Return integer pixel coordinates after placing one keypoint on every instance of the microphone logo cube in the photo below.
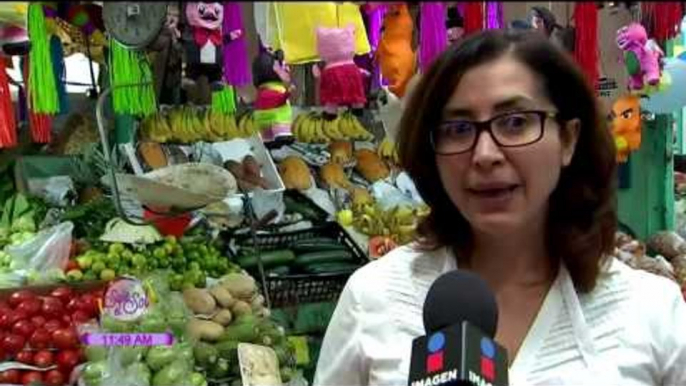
(434, 361)
(487, 359)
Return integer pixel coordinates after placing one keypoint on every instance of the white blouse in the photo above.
(629, 331)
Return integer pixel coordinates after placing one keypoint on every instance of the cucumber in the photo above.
(243, 332)
(317, 245)
(279, 271)
(228, 350)
(310, 258)
(269, 258)
(332, 267)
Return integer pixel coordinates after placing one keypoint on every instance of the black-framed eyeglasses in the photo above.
(513, 129)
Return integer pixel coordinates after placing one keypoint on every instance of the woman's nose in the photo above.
(487, 153)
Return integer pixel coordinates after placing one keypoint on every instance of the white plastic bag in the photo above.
(44, 258)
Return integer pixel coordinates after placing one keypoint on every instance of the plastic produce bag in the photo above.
(43, 258)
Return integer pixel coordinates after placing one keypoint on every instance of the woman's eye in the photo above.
(516, 121)
(456, 128)
(627, 115)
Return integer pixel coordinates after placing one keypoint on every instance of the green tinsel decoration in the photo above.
(42, 86)
(131, 67)
(224, 101)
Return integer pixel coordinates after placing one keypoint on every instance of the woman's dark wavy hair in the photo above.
(582, 214)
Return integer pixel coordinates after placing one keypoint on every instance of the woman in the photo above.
(505, 142)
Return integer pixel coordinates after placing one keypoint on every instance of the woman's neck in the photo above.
(519, 260)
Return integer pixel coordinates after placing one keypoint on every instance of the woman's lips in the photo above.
(494, 198)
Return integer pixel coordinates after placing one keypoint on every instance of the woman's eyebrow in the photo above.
(515, 102)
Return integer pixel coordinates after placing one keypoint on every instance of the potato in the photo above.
(239, 285)
(241, 308)
(257, 303)
(199, 301)
(223, 317)
(204, 330)
(223, 296)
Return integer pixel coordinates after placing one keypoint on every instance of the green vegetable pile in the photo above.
(190, 260)
(309, 256)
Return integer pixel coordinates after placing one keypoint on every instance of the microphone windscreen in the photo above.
(459, 296)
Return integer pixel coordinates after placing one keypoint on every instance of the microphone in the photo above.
(460, 319)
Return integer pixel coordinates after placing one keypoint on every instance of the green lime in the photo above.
(116, 248)
(107, 275)
(159, 253)
(139, 260)
(74, 275)
(98, 267)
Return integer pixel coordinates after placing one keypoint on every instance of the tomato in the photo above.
(11, 377)
(17, 297)
(72, 264)
(73, 304)
(89, 304)
(65, 338)
(38, 321)
(52, 306)
(52, 325)
(25, 356)
(24, 328)
(13, 343)
(80, 317)
(40, 338)
(54, 378)
(31, 377)
(43, 359)
(30, 306)
(67, 360)
(63, 293)
(8, 319)
(4, 306)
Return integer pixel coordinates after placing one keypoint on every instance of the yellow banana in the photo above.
(332, 129)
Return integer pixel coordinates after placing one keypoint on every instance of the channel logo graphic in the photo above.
(487, 359)
(434, 361)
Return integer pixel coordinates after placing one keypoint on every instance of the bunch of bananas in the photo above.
(399, 223)
(186, 124)
(312, 127)
(387, 150)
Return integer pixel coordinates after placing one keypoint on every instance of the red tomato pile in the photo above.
(41, 331)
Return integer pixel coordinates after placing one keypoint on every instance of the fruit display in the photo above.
(248, 173)
(399, 223)
(160, 365)
(313, 127)
(186, 124)
(388, 151)
(316, 254)
(190, 259)
(41, 331)
(370, 165)
(295, 173)
(226, 314)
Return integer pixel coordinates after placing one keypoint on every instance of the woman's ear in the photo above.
(569, 136)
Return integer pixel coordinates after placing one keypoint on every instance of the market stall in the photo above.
(197, 224)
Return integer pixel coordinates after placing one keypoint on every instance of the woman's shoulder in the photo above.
(634, 290)
(405, 272)
(403, 263)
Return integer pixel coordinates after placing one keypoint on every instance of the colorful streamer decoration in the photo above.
(433, 33)
(236, 63)
(8, 126)
(473, 17)
(224, 101)
(494, 10)
(43, 90)
(131, 68)
(662, 19)
(586, 42)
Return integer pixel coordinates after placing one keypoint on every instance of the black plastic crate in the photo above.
(294, 289)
